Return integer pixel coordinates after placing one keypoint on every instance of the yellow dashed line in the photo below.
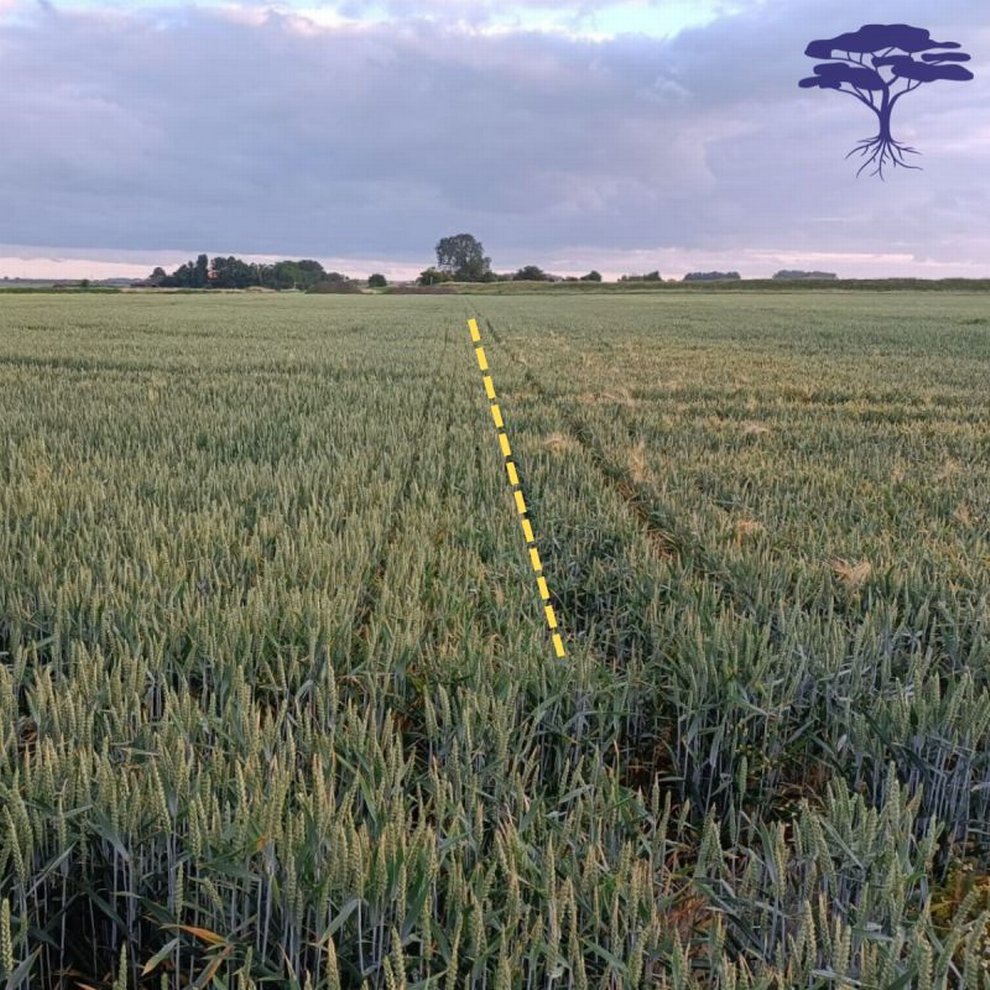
(513, 475)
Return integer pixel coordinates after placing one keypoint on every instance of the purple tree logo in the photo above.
(876, 81)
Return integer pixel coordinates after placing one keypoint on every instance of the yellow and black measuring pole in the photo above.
(513, 475)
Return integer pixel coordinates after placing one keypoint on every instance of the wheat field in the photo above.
(278, 705)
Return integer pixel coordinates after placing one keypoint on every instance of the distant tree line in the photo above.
(234, 273)
(460, 258)
(709, 276)
(786, 273)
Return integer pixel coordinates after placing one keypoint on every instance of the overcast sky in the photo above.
(621, 136)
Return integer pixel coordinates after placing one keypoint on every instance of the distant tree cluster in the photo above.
(709, 276)
(334, 285)
(531, 273)
(434, 276)
(461, 258)
(793, 273)
(648, 277)
(234, 273)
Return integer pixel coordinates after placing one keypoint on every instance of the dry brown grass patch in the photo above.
(800, 393)
(963, 515)
(617, 396)
(950, 468)
(751, 428)
(638, 468)
(560, 443)
(621, 396)
(747, 527)
(967, 883)
(853, 576)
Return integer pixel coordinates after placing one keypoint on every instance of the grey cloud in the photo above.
(192, 128)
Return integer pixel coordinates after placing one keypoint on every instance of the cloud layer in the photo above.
(247, 129)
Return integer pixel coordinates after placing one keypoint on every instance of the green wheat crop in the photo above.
(278, 706)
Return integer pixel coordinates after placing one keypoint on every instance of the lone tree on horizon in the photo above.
(463, 257)
(872, 81)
